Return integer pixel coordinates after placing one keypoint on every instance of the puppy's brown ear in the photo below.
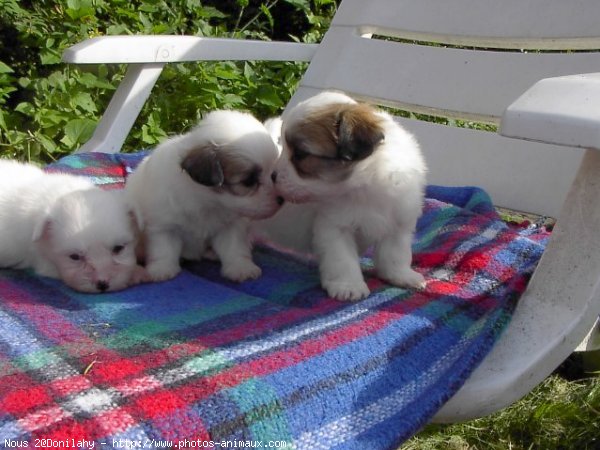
(359, 132)
(203, 165)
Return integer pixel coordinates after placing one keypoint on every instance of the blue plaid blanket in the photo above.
(203, 362)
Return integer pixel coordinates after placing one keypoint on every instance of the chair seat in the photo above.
(273, 359)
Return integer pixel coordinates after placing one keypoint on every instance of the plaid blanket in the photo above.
(205, 363)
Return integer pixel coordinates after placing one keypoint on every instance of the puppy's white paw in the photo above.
(162, 271)
(346, 290)
(242, 270)
(405, 278)
(139, 275)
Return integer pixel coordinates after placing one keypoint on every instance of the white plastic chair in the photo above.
(482, 69)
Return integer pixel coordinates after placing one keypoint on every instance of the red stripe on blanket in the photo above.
(68, 429)
(159, 403)
(43, 418)
(114, 421)
(21, 400)
(70, 385)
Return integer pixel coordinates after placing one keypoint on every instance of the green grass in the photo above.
(563, 412)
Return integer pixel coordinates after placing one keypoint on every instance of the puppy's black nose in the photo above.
(280, 200)
(274, 176)
(102, 285)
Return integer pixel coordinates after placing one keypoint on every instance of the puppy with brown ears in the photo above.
(355, 178)
(197, 192)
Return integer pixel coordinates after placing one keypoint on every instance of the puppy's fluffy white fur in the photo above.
(197, 192)
(351, 185)
(64, 227)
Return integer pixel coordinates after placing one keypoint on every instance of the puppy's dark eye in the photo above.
(117, 249)
(299, 155)
(75, 257)
(251, 180)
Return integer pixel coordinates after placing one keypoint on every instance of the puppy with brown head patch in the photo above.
(354, 178)
(197, 192)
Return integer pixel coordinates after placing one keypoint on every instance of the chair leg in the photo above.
(124, 108)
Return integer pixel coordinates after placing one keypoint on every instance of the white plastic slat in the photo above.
(418, 77)
(520, 175)
(167, 48)
(541, 24)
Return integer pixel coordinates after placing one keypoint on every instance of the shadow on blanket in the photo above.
(274, 359)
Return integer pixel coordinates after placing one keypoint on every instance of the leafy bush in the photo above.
(48, 109)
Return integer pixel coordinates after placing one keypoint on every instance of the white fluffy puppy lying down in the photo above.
(196, 193)
(64, 227)
(355, 178)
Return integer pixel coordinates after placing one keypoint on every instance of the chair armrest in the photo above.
(167, 48)
(562, 110)
(147, 55)
(562, 300)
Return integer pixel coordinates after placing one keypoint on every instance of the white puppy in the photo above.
(64, 227)
(196, 193)
(355, 179)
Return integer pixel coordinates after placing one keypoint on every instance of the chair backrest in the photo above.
(465, 60)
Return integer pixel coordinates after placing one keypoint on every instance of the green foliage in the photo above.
(48, 109)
